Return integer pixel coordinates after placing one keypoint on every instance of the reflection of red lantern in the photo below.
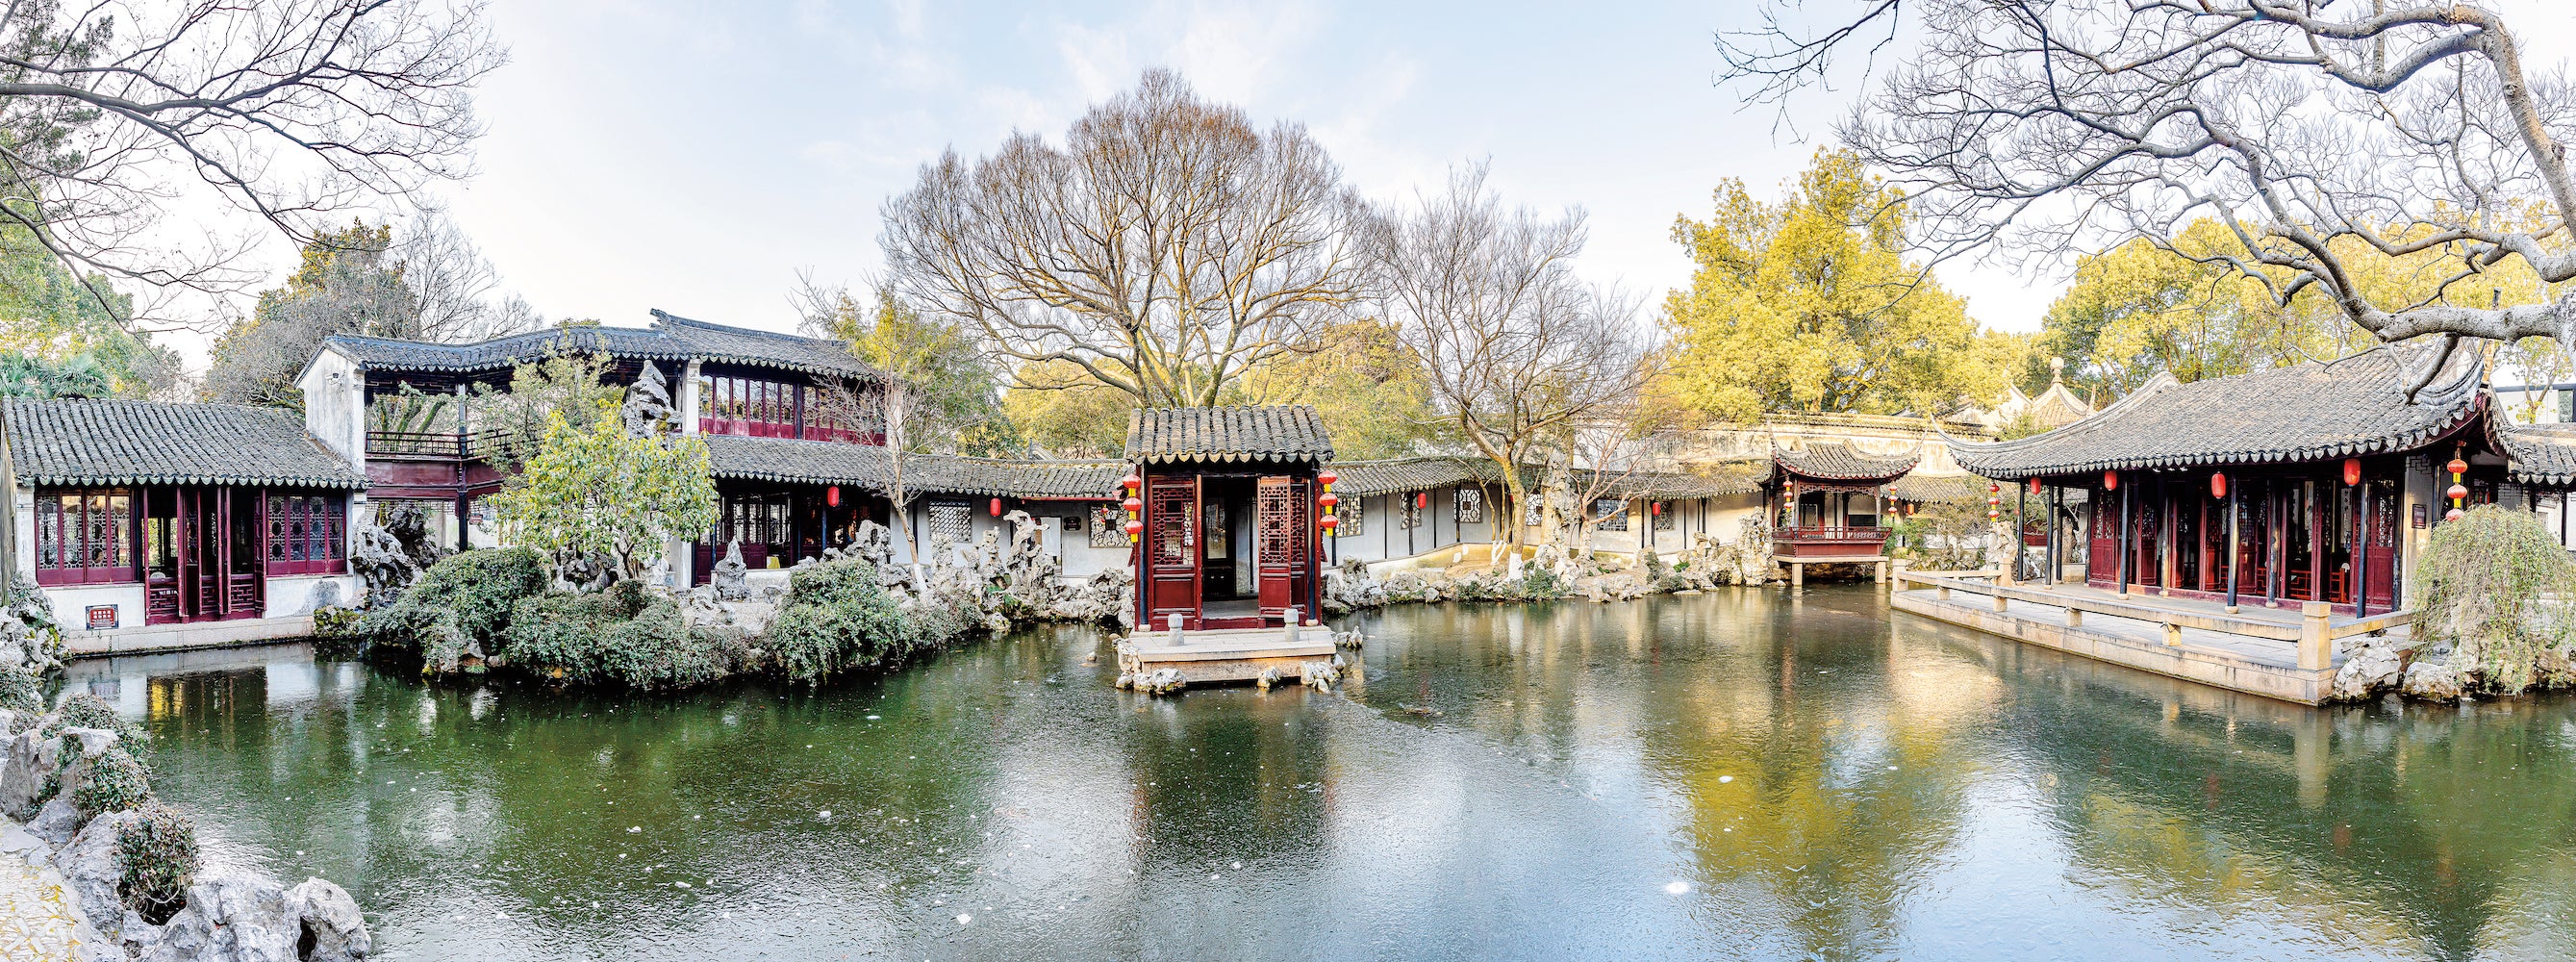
(1422, 499)
(832, 496)
(2110, 480)
(997, 507)
(1328, 500)
(1329, 523)
(2217, 485)
(2351, 472)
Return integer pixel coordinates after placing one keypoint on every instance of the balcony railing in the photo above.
(1831, 534)
(440, 445)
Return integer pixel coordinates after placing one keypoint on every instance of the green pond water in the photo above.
(1748, 774)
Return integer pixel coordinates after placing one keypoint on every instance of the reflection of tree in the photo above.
(1831, 789)
(521, 799)
(2430, 817)
(1785, 703)
(1210, 784)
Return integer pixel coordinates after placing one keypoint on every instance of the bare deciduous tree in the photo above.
(452, 284)
(2317, 132)
(1165, 248)
(1515, 347)
(285, 109)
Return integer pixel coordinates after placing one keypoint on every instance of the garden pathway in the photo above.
(37, 921)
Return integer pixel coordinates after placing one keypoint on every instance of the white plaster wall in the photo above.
(23, 516)
(293, 595)
(72, 602)
(335, 407)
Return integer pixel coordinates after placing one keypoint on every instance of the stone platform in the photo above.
(1227, 654)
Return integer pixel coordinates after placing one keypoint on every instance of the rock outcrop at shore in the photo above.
(129, 863)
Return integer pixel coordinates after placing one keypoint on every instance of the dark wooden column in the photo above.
(2317, 516)
(2361, 547)
(2056, 514)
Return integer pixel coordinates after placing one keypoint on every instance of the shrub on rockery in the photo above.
(158, 851)
(116, 782)
(625, 635)
(465, 600)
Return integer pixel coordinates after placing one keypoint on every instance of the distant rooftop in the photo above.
(671, 338)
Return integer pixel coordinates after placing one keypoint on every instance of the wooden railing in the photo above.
(438, 444)
(1831, 534)
(2315, 633)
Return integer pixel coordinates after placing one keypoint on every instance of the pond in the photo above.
(1745, 774)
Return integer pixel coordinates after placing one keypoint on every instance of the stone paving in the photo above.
(37, 922)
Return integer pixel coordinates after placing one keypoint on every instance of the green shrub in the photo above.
(624, 635)
(116, 782)
(2480, 585)
(466, 599)
(836, 617)
(85, 710)
(21, 690)
(158, 850)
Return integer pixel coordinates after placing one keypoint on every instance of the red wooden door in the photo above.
(1277, 551)
(2145, 536)
(2102, 560)
(2379, 556)
(1172, 549)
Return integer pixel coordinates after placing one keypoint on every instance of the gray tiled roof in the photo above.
(1836, 461)
(112, 442)
(672, 338)
(1943, 489)
(2543, 454)
(1360, 479)
(2307, 412)
(1365, 478)
(872, 468)
(1285, 433)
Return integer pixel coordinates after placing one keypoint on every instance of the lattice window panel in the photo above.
(1108, 526)
(1610, 514)
(954, 521)
(1354, 515)
(1471, 506)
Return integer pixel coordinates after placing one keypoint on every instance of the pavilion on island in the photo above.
(1831, 502)
(2316, 482)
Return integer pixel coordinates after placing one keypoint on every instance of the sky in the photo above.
(696, 157)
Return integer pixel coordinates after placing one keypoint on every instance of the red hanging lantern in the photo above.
(832, 496)
(2457, 492)
(2351, 472)
(997, 507)
(2110, 480)
(2457, 467)
(2034, 485)
(1329, 523)
(1422, 499)
(1133, 504)
(2217, 484)
(1656, 508)
(1328, 500)
(1134, 528)
(1131, 482)
(1328, 477)
(2453, 515)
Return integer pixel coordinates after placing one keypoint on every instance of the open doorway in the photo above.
(1230, 584)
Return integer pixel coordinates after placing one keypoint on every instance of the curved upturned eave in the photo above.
(1979, 458)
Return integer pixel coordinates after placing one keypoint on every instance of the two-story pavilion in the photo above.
(364, 396)
(2315, 482)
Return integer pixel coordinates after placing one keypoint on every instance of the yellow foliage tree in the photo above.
(1809, 304)
(2177, 307)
